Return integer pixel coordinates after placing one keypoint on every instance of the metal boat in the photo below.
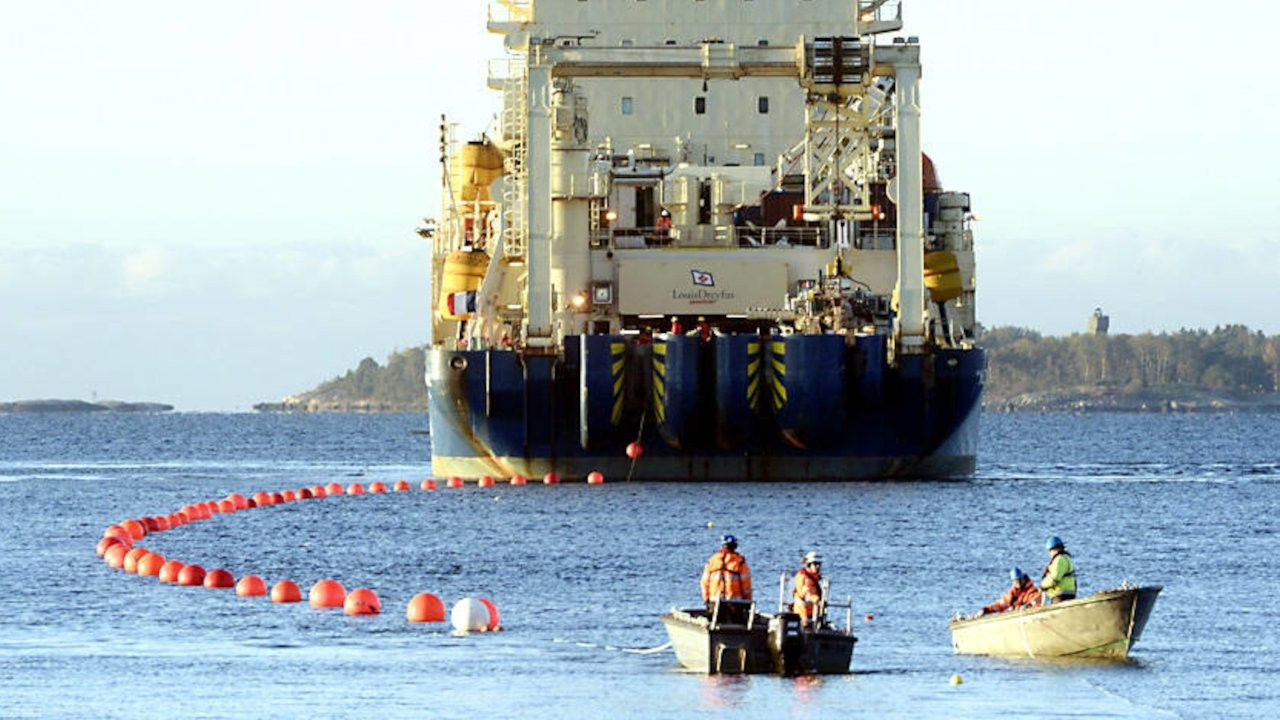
(756, 642)
(1103, 625)
(706, 231)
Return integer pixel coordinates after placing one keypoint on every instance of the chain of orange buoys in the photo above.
(118, 549)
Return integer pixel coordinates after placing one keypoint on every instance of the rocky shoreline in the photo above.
(1093, 399)
(81, 406)
(323, 405)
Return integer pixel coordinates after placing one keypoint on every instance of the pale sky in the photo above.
(213, 205)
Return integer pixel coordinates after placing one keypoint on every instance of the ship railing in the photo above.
(747, 236)
(632, 238)
(507, 15)
(752, 236)
(504, 70)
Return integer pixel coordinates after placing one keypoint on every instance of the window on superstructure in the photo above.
(700, 105)
(762, 105)
(758, 160)
(627, 106)
(762, 43)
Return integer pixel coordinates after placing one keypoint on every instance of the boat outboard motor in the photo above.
(786, 643)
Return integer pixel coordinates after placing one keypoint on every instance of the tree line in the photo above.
(1229, 359)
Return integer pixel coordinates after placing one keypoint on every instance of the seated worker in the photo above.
(1059, 578)
(1023, 593)
(727, 577)
(807, 595)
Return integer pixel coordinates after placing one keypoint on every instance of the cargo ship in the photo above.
(701, 242)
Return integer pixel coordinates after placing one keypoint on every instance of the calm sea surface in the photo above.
(580, 573)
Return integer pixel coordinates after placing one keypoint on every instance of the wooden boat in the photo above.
(736, 638)
(1103, 625)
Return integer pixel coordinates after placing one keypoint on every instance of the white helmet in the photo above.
(812, 557)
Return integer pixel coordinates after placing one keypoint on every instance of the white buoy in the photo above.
(469, 615)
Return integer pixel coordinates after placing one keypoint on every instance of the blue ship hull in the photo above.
(738, 407)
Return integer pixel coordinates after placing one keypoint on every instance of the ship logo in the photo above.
(702, 277)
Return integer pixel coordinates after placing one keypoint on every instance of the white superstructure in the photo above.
(781, 137)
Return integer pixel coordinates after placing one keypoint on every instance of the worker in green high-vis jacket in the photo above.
(1059, 578)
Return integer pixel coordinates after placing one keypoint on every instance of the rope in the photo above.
(639, 435)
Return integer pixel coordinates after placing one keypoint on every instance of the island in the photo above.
(81, 406)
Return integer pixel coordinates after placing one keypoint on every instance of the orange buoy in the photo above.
(286, 591)
(114, 556)
(261, 498)
(215, 506)
(428, 484)
(227, 506)
(355, 489)
(136, 529)
(868, 617)
(377, 487)
(362, 601)
(327, 594)
(150, 524)
(486, 481)
(251, 586)
(118, 533)
(635, 450)
(401, 486)
(176, 520)
(217, 579)
(251, 504)
(454, 482)
(240, 501)
(319, 491)
(132, 557)
(105, 544)
(425, 607)
(495, 620)
(595, 477)
(149, 565)
(276, 498)
(305, 494)
(288, 496)
(333, 488)
(191, 575)
(519, 479)
(169, 571)
(551, 479)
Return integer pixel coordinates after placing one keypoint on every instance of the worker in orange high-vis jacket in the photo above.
(1023, 593)
(726, 575)
(807, 596)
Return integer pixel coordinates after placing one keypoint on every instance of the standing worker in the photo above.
(1023, 593)
(808, 592)
(1059, 578)
(726, 575)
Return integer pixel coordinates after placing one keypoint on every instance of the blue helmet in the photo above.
(1053, 542)
(728, 540)
(1016, 574)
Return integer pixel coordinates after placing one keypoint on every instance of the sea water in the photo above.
(581, 573)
